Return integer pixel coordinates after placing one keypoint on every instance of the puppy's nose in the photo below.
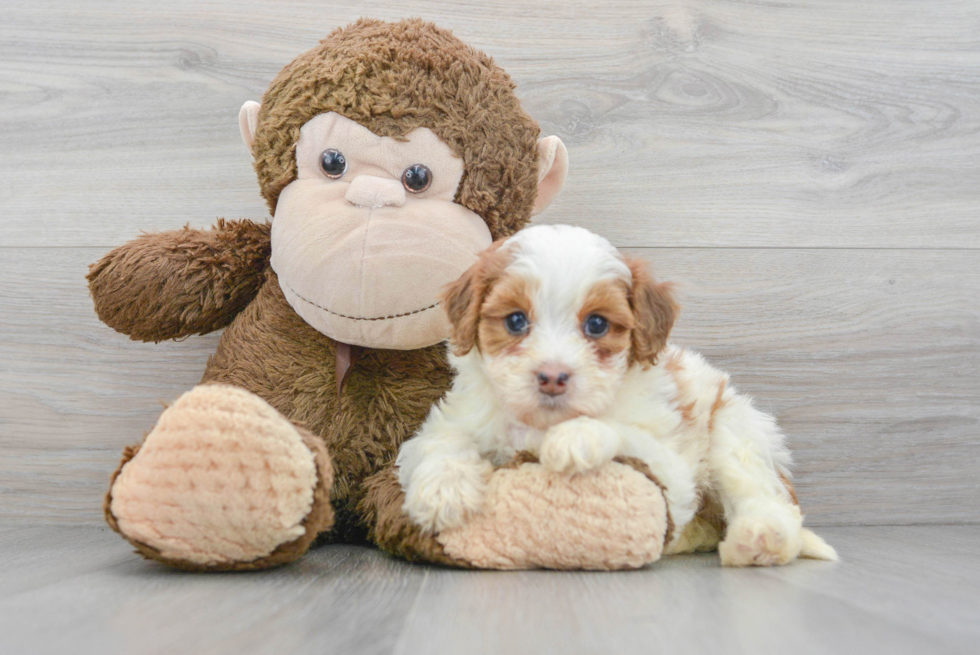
(372, 191)
(552, 379)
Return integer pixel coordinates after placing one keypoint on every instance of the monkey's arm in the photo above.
(174, 284)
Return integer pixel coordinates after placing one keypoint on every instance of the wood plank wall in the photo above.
(808, 171)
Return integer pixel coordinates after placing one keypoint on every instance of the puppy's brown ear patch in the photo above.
(463, 298)
(611, 300)
(655, 310)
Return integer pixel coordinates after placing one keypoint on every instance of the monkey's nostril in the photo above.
(543, 379)
(562, 378)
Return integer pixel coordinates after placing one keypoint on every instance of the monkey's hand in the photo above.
(174, 284)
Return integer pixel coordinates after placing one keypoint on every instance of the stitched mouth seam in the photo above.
(361, 318)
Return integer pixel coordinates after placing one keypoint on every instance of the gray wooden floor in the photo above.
(805, 170)
(897, 590)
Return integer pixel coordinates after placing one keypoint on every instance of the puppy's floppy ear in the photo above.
(463, 298)
(655, 310)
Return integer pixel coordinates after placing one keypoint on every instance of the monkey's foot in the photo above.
(222, 482)
(614, 517)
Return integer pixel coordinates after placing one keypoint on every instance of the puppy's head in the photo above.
(555, 316)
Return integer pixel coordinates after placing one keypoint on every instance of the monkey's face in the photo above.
(366, 236)
(389, 154)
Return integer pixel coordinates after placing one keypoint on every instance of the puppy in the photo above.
(560, 348)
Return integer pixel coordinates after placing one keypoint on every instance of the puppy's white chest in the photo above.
(522, 437)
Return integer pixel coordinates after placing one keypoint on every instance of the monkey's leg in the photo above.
(389, 526)
(612, 518)
(222, 482)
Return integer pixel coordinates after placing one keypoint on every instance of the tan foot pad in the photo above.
(223, 477)
(612, 518)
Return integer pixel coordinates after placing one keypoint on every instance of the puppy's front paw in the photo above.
(761, 540)
(580, 444)
(444, 491)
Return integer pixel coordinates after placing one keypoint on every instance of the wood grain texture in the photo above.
(91, 594)
(897, 590)
(873, 601)
(826, 123)
(806, 170)
(870, 360)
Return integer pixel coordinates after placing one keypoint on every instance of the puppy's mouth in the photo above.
(549, 411)
(547, 401)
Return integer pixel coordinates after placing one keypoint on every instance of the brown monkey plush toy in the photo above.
(390, 156)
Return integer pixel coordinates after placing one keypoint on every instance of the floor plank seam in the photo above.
(410, 614)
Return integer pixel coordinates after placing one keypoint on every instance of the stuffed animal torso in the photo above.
(269, 350)
(389, 155)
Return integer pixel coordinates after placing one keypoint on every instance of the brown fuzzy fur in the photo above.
(392, 78)
(272, 352)
(175, 284)
(391, 529)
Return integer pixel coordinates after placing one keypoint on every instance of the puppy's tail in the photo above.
(816, 548)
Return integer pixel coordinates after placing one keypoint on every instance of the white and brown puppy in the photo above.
(560, 347)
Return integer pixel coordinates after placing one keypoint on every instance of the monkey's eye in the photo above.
(333, 163)
(517, 323)
(417, 178)
(595, 326)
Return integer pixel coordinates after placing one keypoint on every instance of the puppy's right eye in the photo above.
(595, 326)
(517, 323)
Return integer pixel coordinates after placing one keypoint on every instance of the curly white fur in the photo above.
(681, 417)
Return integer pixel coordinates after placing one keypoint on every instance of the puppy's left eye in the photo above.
(517, 323)
(595, 326)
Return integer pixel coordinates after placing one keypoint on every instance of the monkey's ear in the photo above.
(248, 120)
(655, 309)
(552, 171)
